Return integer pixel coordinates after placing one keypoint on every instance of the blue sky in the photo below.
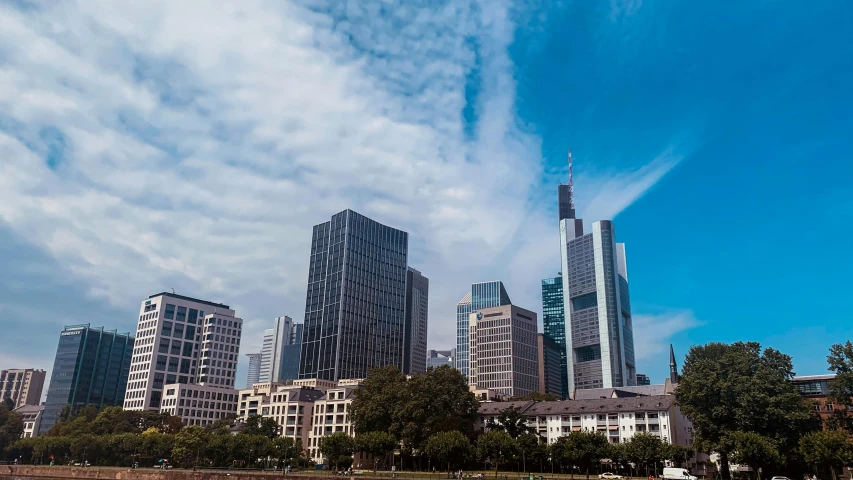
(152, 146)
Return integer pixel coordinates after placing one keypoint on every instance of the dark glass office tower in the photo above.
(289, 366)
(417, 309)
(554, 324)
(355, 305)
(91, 369)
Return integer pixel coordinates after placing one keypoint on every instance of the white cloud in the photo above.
(201, 145)
(654, 332)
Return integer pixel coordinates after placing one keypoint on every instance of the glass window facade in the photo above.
(554, 324)
(90, 369)
(355, 303)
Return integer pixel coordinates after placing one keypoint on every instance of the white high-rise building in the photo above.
(275, 339)
(181, 340)
(503, 352)
(597, 306)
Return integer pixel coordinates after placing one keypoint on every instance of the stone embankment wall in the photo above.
(107, 473)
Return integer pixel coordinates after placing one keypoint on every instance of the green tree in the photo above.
(618, 455)
(495, 446)
(740, 388)
(188, 445)
(449, 448)
(754, 450)
(377, 402)
(11, 426)
(285, 449)
(112, 420)
(840, 361)
(827, 449)
(258, 425)
(336, 447)
(511, 421)
(531, 450)
(646, 450)
(437, 401)
(376, 444)
(677, 454)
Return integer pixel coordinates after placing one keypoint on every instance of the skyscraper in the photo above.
(440, 358)
(23, 386)
(356, 299)
(91, 369)
(554, 324)
(181, 340)
(288, 367)
(503, 353)
(550, 371)
(276, 339)
(253, 375)
(482, 295)
(599, 335)
(417, 304)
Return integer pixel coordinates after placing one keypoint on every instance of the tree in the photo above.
(258, 425)
(511, 421)
(376, 444)
(740, 388)
(377, 401)
(754, 450)
(450, 448)
(336, 446)
(646, 450)
(188, 445)
(677, 454)
(532, 451)
(11, 426)
(827, 449)
(840, 361)
(284, 449)
(618, 455)
(112, 420)
(495, 446)
(437, 401)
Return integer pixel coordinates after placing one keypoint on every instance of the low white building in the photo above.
(32, 415)
(198, 404)
(617, 418)
(331, 415)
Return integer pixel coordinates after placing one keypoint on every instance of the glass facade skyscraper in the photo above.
(417, 309)
(482, 295)
(355, 304)
(91, 369)
(599, 332)
(554, 324)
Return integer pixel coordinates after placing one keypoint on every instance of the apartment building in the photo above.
(617, 418)
(23, 386)
(31, 415)
(198, 404)
(331, 415)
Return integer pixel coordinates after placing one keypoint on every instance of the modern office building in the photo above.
(253, 375)
(181, 341)
(599, 335)
(356, 299)
(554, 324)
(503, 350)
(417, 305)
(23, 386)
(439, 358)
(482, 295)
(550, 370)
(280, 351)
(643, 379)
(91, 369)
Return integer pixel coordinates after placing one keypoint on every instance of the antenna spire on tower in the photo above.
(571, 183)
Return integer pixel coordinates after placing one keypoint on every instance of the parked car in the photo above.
(670, 473)
(610, 476)
(780, 478)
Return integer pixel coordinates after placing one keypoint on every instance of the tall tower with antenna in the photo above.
(599, 338)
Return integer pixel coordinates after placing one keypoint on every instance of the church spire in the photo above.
(673, 368)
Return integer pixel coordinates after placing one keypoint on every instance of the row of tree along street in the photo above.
(739, 397)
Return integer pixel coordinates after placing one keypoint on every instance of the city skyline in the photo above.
(117, 183)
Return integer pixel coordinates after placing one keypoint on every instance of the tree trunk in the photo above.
(725, 474)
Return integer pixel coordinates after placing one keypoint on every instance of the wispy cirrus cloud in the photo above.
(156, 145)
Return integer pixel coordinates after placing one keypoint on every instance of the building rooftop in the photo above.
(29, 409)
(639, 390)
(803, 378)
(490, 408)
(598, 405)
(190, 299)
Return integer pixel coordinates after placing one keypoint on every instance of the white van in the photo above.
(676, 474)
